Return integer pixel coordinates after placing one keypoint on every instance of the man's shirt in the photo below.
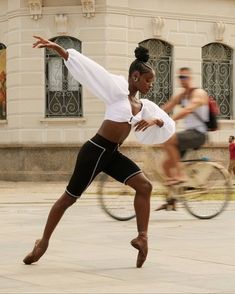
(232, 150)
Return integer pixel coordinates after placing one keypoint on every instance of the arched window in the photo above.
(217, 75)
(63, 92)
(161, 60)
(3, 92)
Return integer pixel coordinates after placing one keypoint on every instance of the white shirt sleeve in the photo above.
(104, 85)
(154, 134)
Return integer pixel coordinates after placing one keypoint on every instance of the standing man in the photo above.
(231, 167)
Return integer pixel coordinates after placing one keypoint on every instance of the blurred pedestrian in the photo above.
(231, 167)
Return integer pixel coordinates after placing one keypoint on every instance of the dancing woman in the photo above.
(124, 110)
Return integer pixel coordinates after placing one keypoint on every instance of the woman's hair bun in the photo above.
(142, 54)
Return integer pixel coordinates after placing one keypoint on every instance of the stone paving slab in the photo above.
(90, 252)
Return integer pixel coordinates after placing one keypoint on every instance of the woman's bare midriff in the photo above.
(114, 131)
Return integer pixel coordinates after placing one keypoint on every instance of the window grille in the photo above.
(217, 76)
(161, 60)
(63, 92)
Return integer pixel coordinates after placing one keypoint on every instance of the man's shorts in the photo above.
(190, 139)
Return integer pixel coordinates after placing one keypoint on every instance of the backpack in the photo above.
(212, 123)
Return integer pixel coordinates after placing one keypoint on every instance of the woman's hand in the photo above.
(143, 124)
(44, 43)
(159, 122)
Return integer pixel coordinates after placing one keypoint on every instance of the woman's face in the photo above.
(145, 82)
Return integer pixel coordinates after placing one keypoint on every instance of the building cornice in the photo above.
(168, 15)
(101, 9)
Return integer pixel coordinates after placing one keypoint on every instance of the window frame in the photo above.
(164, 56)
(64, 95)
(218, 65)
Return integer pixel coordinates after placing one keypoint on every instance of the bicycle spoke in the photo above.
(208, 197)
(116, 199)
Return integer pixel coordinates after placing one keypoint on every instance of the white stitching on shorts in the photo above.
(96, 162)
(138, 172)
(72, 195)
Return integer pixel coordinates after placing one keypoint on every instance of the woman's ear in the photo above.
(135, 76)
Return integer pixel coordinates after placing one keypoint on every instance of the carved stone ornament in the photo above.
(219, 31)
(35, 9)
(157, 23)
(88, 8)
(61, 21)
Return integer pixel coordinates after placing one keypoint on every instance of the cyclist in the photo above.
(195, 111)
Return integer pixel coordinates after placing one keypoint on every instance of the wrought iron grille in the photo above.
(63, 92)
(160, 53)
(217, 76)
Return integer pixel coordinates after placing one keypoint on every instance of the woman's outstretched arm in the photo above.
(44, 43)
(104, 85)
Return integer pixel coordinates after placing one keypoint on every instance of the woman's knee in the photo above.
(144, 190)
(149, 187)
(140, 184)
(144, 187)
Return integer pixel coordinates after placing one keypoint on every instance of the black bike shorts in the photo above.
(96, 155)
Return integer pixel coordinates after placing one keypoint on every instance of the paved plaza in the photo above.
(91, 253)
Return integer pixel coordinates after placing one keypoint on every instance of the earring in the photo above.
(135, 79)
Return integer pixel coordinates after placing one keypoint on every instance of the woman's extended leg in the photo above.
(143, 189)
(55, 214)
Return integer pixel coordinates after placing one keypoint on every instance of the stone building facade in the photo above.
(47, 115)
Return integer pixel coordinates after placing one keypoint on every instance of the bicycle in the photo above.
(205, 193)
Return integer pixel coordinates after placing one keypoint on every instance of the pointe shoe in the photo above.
(37, 252)
(141, 244)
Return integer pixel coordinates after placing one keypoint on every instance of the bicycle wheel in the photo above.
(116, 199)
(207, 190)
